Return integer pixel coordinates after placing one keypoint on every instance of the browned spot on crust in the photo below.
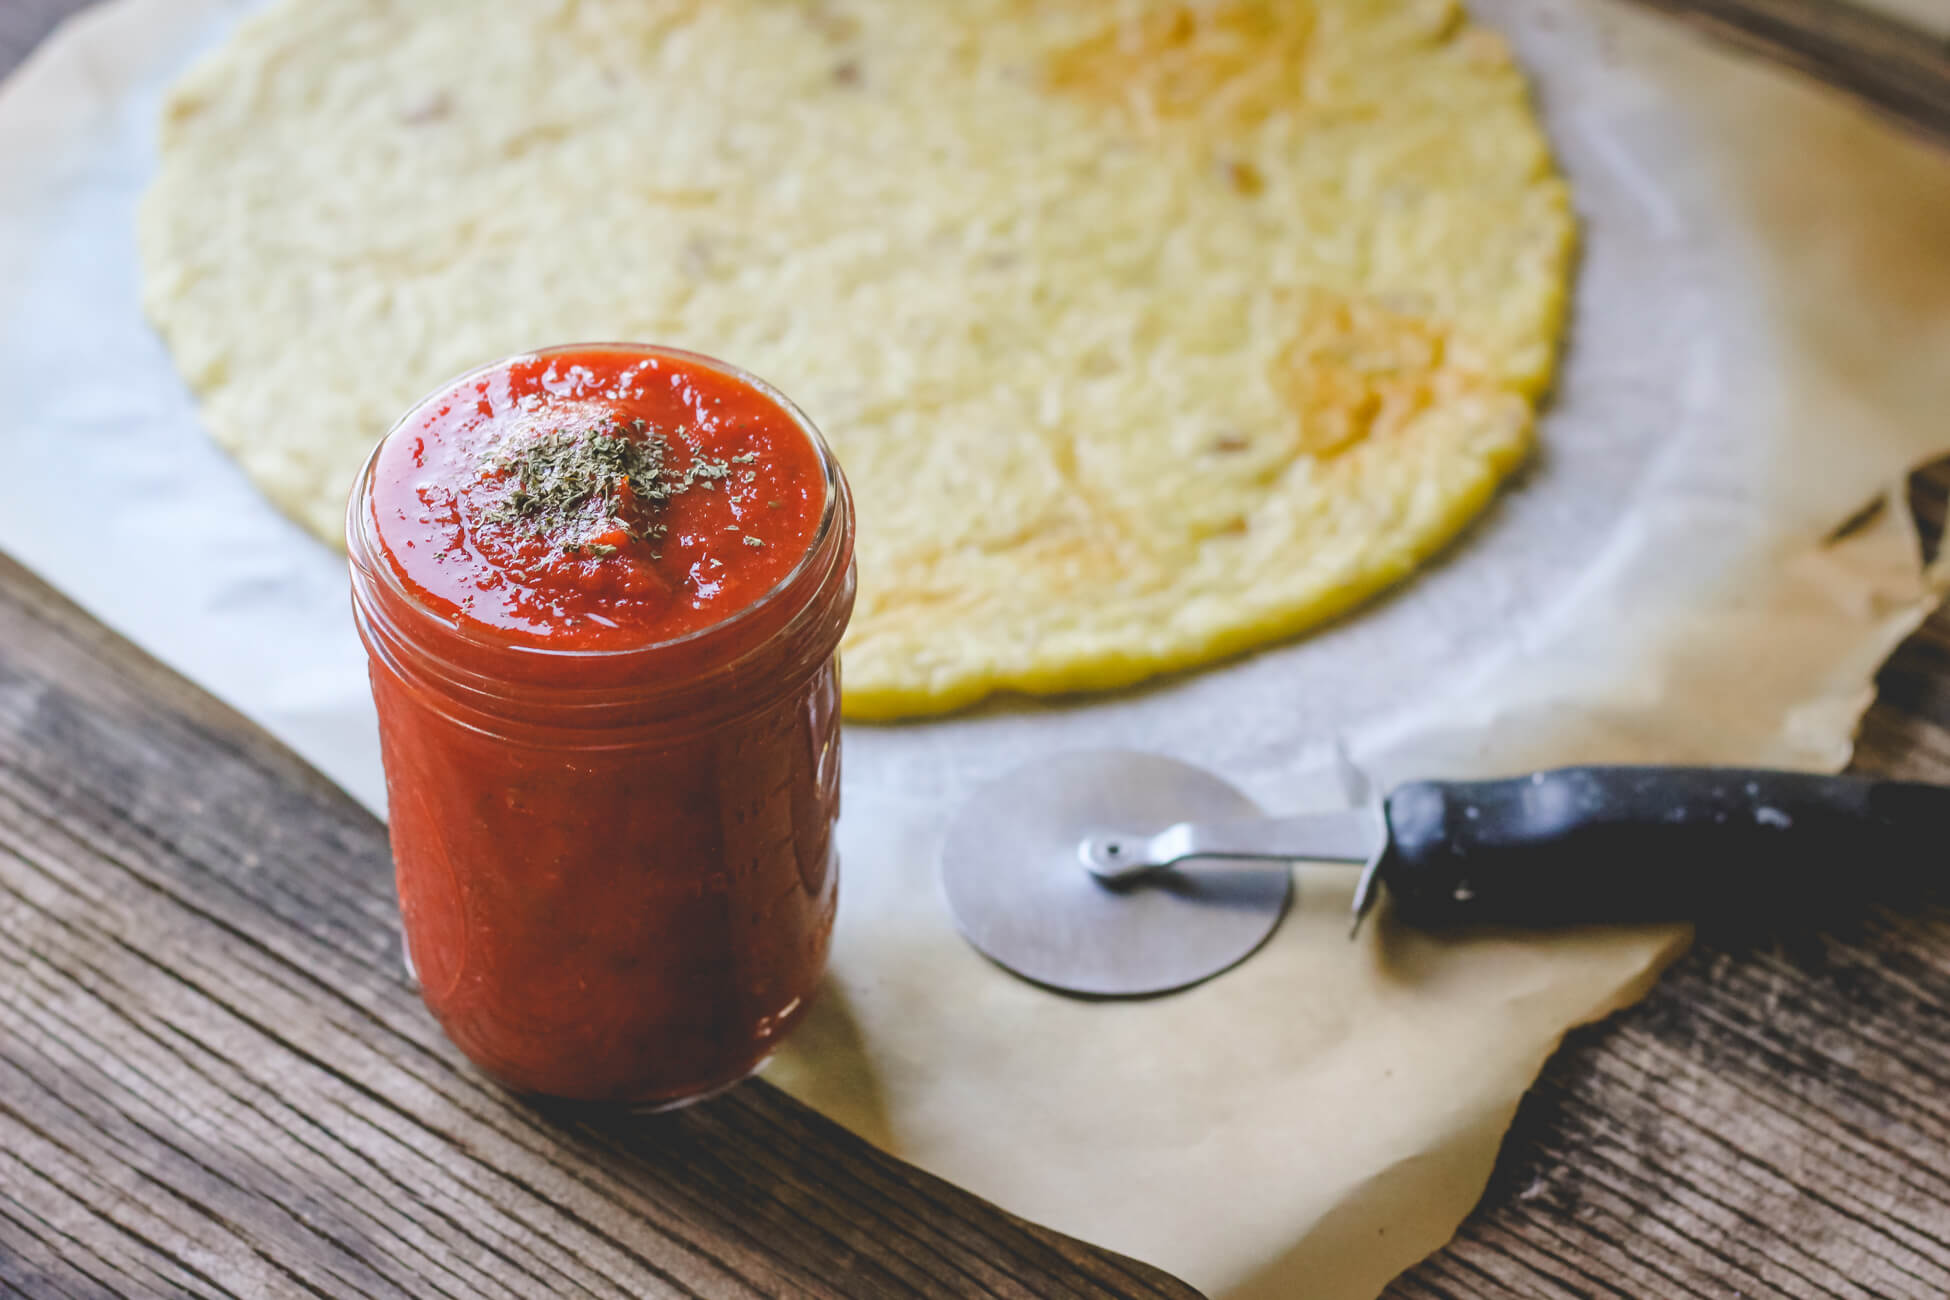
(1244, 177)
(1228, 65)
(1355, 370)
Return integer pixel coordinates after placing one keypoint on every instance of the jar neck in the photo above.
(696, 682)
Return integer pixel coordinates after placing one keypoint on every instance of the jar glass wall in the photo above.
(615, 866)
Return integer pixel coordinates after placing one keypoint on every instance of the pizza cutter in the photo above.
(1120, 874)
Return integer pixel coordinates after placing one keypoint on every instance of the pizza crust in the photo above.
(1146, 334)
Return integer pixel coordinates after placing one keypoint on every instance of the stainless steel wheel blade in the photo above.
(1020, 893)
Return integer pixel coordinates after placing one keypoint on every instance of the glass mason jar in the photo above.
(616, 867)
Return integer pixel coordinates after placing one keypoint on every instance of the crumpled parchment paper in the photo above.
(1760, 326)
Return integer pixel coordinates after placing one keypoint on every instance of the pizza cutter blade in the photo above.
(1021, 894)
(1118, 874)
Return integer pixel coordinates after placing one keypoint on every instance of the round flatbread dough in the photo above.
(1146, 332)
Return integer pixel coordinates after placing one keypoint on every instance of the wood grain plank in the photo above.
(214, 1079)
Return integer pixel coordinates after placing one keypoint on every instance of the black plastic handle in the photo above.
(1607, 844)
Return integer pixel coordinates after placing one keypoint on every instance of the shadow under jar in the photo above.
(602, 588)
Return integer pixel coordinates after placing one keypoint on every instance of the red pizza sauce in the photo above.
(602, 588)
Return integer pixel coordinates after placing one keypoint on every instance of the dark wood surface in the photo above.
(213, 1080)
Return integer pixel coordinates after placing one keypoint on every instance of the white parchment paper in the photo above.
(1760, 343)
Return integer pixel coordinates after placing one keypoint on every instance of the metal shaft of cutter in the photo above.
(1351, 835)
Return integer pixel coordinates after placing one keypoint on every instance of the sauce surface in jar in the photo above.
(602, 590)
(596, 499)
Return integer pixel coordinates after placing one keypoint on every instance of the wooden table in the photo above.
(215, 1081)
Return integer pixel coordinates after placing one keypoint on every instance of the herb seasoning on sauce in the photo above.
(602, 588)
